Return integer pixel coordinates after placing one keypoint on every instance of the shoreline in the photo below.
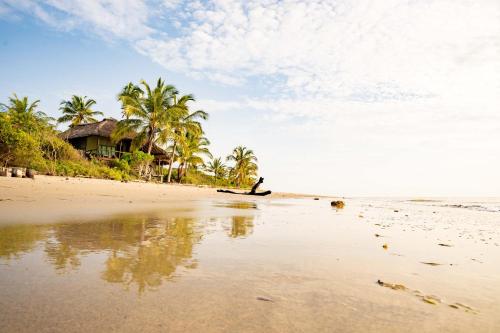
(55, 198)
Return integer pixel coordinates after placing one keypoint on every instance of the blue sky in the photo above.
(335, 97)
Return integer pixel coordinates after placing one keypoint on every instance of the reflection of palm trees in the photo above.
(18, 239)
(161, 250)
(141, 251)
(241, 226)
(62, 255)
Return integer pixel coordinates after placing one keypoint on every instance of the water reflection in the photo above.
(241, 226)
(238, 205)
(139, 252)
(15, 240)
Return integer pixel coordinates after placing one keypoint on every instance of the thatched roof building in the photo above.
(94, 139)
(103, 128)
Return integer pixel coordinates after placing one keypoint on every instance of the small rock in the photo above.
(337, 204)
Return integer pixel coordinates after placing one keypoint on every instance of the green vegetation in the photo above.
(28, 139)
(154, 115)
(217, 168)
(245, 167)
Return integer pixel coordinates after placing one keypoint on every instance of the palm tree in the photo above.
(217, 167)
(189, 149)
(132, 91)
(244, 164)
(25, 114)
(148, 113)
(181, 124)
(78, 111)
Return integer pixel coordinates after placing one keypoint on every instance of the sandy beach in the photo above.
(82, 255)
(48, 199)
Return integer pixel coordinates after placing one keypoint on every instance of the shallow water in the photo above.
(255, 266)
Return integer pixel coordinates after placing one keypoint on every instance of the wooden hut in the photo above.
(94, 139)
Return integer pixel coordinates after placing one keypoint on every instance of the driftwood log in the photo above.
(253, 191)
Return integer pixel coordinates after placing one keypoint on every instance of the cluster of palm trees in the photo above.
(159, 115)
(243, 171)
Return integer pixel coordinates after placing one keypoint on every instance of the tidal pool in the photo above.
(258, 266)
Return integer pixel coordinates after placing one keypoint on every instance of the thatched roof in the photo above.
(102, 128)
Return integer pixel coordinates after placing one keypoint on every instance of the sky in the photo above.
(346, 97)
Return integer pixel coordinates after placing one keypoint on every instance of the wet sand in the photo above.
(226, 264)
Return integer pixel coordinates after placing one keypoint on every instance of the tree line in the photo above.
(157, 115)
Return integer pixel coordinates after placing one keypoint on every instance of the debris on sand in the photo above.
(264, 299)
(316, 198)
(431, 263)
(464, 307)
(337, 204)
(385, 246)
(377, 235)
(391, 285)
(429, 299)
(446, 245)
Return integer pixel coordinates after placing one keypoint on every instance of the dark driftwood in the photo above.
(246, 193)
(253, 191)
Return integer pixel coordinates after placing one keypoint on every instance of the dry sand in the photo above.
(51, 199)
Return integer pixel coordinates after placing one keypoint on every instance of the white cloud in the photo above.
(342, 49)
(109, 18)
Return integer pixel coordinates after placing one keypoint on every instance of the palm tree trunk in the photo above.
(150, 146)
(171, 162)
(180, 172)
(183, 170)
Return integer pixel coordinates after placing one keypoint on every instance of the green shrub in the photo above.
(121, 165)
(138, 161)
(16, 146)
